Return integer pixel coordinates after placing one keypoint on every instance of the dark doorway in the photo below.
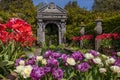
(51, 34)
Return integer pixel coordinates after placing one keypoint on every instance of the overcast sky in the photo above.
(82, 3)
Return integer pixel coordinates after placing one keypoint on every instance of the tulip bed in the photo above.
(75, 66)
(16, 34)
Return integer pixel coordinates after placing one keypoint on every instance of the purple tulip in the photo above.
(17, 61)
(83, 67)
(117, 62)
(37, 73)
(31, 61)
(64, 57)
(55, 55)
(94, 53)
(52, 62)
(47, 69)
(47, 54)
(57, 73)
(114, 53)
(77, 56)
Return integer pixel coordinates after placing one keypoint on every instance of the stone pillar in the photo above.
(82, 32)
(60, 39)
(43, 39)
(98, 30)
(63, 31)
(39, 32)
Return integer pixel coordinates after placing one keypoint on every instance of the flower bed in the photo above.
(77, 66)
(85, 40)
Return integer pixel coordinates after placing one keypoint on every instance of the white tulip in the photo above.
(19, 69)
(39, 58)
(97, 60)
(104, 56)
(110, 61)
(71, 61)
(22, 62)
(88, 56)
(115, 69)
(27, 71)
(118, 54)
(102, 70)
(44, 62)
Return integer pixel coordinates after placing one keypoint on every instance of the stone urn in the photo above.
(108, 50)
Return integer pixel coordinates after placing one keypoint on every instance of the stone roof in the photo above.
(51, 8)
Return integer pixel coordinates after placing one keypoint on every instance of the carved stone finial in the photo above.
(98, 27)
(98, 19)
(82, 31)
(82, 24)
(52, 5)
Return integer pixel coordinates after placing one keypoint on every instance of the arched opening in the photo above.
(51, 34)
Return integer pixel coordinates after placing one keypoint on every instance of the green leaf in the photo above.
(64, 79)
(71, 75)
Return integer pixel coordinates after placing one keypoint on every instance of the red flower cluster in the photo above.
(84, 37)
(17, 30)
(108, 36)
(75, 38)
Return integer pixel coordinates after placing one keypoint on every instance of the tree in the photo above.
(106, 5)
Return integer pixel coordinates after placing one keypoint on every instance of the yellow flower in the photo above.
(22, 62)
(39, 58)
(89, 56)
(115, 69)
(71, 61)
(26, 72)
(102, 70)
(44, 61)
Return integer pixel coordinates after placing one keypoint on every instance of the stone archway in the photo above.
(48, 14)
(51, 34)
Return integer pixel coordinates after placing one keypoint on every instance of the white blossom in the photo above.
(88, 56)
(71, 61)
(115, 69)
(102, 70)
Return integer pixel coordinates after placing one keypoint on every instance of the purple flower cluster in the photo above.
(78, 56)
(83, 67)
(52, 62)
(31, 61)
(17, 61)
(64, 57)
(37, 73)
(57, 73)
(51, 54)
(117, 62)
(94, 53)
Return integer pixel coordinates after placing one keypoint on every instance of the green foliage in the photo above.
(76, 15)
(106, 5)
(9, 52)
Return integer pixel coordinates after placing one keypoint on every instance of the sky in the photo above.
(82, 3)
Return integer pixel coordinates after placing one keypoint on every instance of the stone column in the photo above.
(39, 33)
(43, 35)
(82, 32)
(60, 39)
(63, 30)
(98, 30)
